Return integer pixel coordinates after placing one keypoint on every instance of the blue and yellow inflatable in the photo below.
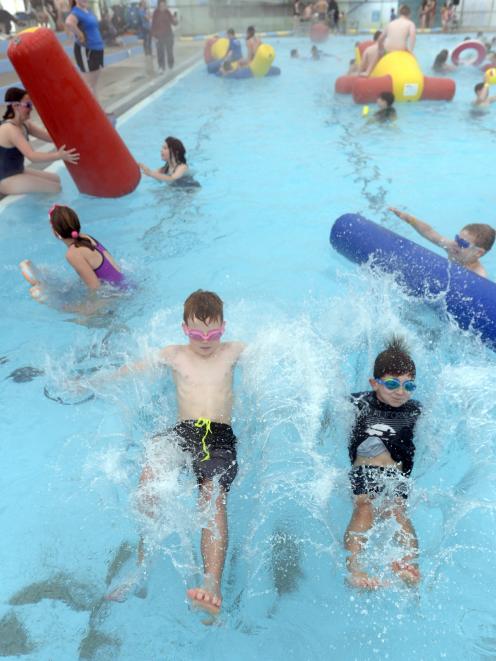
(217, 48)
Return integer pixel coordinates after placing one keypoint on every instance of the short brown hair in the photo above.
(394, 360)
(405, 10)
(483, 234)
(204, 306)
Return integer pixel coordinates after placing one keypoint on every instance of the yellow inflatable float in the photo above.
(399, 72)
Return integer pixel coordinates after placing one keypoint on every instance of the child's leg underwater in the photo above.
(361, 521)
(214, 540)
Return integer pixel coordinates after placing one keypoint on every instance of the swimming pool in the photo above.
(278, 160)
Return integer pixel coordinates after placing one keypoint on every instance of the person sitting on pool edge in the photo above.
(386, 112)
(203, 376)
(466, 249)
(482, 98)
(173, 152)
(381, 449)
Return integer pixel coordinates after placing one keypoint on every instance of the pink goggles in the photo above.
(213, 335)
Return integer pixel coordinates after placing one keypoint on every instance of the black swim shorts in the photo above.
(212, 449)
(87, 59)
(374, 480)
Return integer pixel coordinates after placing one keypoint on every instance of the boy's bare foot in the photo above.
(407, 571)
(205, 599)
(360, 579)
(132, 584)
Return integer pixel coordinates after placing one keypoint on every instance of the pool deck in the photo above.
(128, 81)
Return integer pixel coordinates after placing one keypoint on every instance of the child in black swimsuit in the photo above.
(381, 449)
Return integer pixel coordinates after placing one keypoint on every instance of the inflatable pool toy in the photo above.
(216, 49)
(490, 76)
(72, 115)
(471, 44)
(30, 272)
(33, 276)
(214, 53)
(259, 67)
(365, 111)
(319, 32)
(397, 72)
(468, 298)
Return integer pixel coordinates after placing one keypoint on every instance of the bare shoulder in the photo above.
(77, 255)
(170, 353)
(235, 348)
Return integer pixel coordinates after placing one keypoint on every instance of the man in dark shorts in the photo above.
(89, 46)
(381, 449)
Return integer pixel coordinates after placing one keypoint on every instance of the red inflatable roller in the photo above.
(73, 116)
(207, 54)
(438, 89)
(366, 90)
(344, 84)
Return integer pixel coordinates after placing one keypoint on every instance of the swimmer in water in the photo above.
(203, 375)
(382, 449)
(91, 261)
(466, 249)
(441, 64)
(173, 152)
(482, 98)
(386, 112)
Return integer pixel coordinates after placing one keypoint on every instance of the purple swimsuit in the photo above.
(106, 271)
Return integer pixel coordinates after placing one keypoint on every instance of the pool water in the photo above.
(278, 160)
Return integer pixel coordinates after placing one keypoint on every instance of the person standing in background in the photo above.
(88, 48)
(162, 22)
(145, 27)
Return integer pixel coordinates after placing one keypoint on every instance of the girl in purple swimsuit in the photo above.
(91, 261)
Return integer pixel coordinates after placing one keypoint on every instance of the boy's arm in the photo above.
(382, 39)
(422, 228)
(151, 361)
(412, 36)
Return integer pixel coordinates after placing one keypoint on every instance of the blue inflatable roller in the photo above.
(469, 298)
(245, 72)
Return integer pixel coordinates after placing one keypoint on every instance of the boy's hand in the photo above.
(401, 214)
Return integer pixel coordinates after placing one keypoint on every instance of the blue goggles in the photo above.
(394, 384)
(461, 243)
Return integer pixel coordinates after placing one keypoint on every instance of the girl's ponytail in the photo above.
(65, 223)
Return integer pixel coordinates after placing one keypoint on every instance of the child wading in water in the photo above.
(173, 152)
(381, 449)
(203, 373)
(91, 261)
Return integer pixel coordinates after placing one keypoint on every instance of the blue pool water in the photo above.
(278, 161)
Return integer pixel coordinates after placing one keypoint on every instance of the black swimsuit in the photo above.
(394, 426)
(11, 159)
